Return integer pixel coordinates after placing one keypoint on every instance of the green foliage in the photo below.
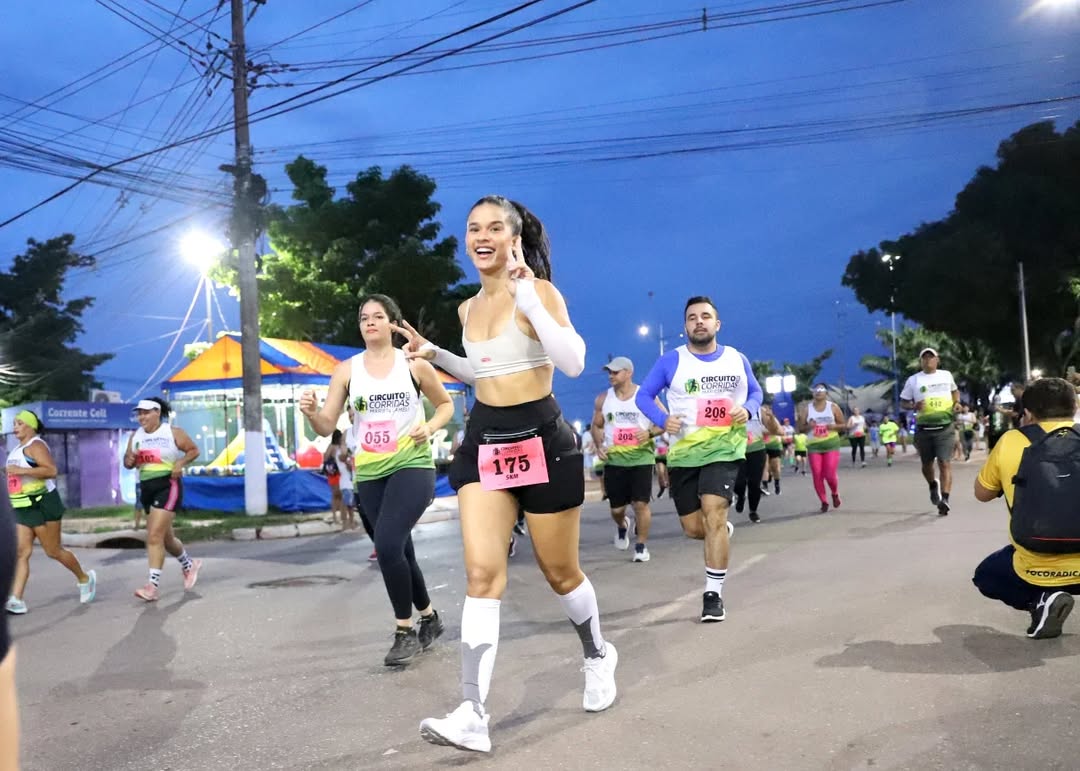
(38, 327)
(806, 374)
(959, 274)
(381, 236)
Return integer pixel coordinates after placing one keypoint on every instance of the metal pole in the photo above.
(209, 315)
(895, 372)
(1024, 323)
(244, 243)
(661, 327)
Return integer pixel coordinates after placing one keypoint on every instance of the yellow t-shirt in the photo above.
(997, 474)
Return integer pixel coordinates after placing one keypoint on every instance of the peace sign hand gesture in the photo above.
(415, 343)
(518, 270)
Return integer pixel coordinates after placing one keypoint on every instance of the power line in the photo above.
(227, 126)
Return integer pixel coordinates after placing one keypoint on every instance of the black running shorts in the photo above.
(628, 484)
(161, 493)
(565, 488)
(689, 483)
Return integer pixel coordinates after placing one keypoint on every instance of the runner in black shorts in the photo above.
(517, 451)
(624, 441)
(712, 392)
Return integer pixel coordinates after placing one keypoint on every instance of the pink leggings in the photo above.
(823, 466)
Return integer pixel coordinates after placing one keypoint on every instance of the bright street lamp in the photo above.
(643, 330)
(775, 384)
(202, 250)
(1036, 373)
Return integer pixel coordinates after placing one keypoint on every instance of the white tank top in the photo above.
(27, 485)
(621, 417)
(695, 385)
(386, 411)
(508, 352)
(156, 452)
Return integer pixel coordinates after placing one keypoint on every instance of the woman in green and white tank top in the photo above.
(393, 466)
(31, 484)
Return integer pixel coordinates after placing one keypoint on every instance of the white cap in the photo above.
(146, 404)
(925, 351)
(619, 363)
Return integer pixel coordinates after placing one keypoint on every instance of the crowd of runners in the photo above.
(696, 426)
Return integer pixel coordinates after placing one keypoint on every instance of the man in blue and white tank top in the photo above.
(711, 393)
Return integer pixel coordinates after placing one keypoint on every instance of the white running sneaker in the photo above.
(730, 529)
(88, 591)
(15, 606)
(622, 542)
(641, 556)
(462, 728)
(600, 680)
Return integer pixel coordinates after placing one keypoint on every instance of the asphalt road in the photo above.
(854, 639)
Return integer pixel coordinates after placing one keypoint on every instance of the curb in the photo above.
(440, 510)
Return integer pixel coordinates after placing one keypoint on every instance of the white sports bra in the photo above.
(508, 352)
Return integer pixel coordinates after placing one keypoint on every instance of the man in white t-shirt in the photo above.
(933, 394)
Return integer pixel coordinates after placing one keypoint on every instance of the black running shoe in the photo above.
(776, 487)
(405, 648)
(519, 527)
(754, 517)
(431, 628)
(943, 508)
(1049, 614)
(740, 503)
(712, 609)
(513, 546)
(661, 493)
(935, 492)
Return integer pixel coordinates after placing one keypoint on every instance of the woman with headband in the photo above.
(160, 451)
(31, 484)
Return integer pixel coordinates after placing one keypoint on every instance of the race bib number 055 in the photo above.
(378, 436)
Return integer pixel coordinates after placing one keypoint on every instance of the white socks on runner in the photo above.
(714, 580)
(155, 576)
(580, 606)
(479, 643)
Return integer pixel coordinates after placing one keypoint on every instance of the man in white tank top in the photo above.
(624, 441)
(711, 393)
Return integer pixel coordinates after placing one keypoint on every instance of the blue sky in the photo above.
(825, 136)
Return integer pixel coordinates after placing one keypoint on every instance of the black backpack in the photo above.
(1046, 501)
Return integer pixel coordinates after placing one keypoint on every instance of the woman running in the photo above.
(856, 426)
(31, 482)
(823, 423)
(336, 468)
(774, 446)
(160, 451)
(751, 469)
(517, 449)
(394, 466)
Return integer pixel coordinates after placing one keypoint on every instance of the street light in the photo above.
(891, 260)
(1036, 374)
(202, 250)
(644, 331)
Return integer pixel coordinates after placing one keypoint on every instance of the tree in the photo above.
(973, 364)
(37, 327)
(806, 374)
(959, 274)
(380, 237)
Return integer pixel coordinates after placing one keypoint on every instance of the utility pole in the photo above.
(243, 242)
(1024, 322)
